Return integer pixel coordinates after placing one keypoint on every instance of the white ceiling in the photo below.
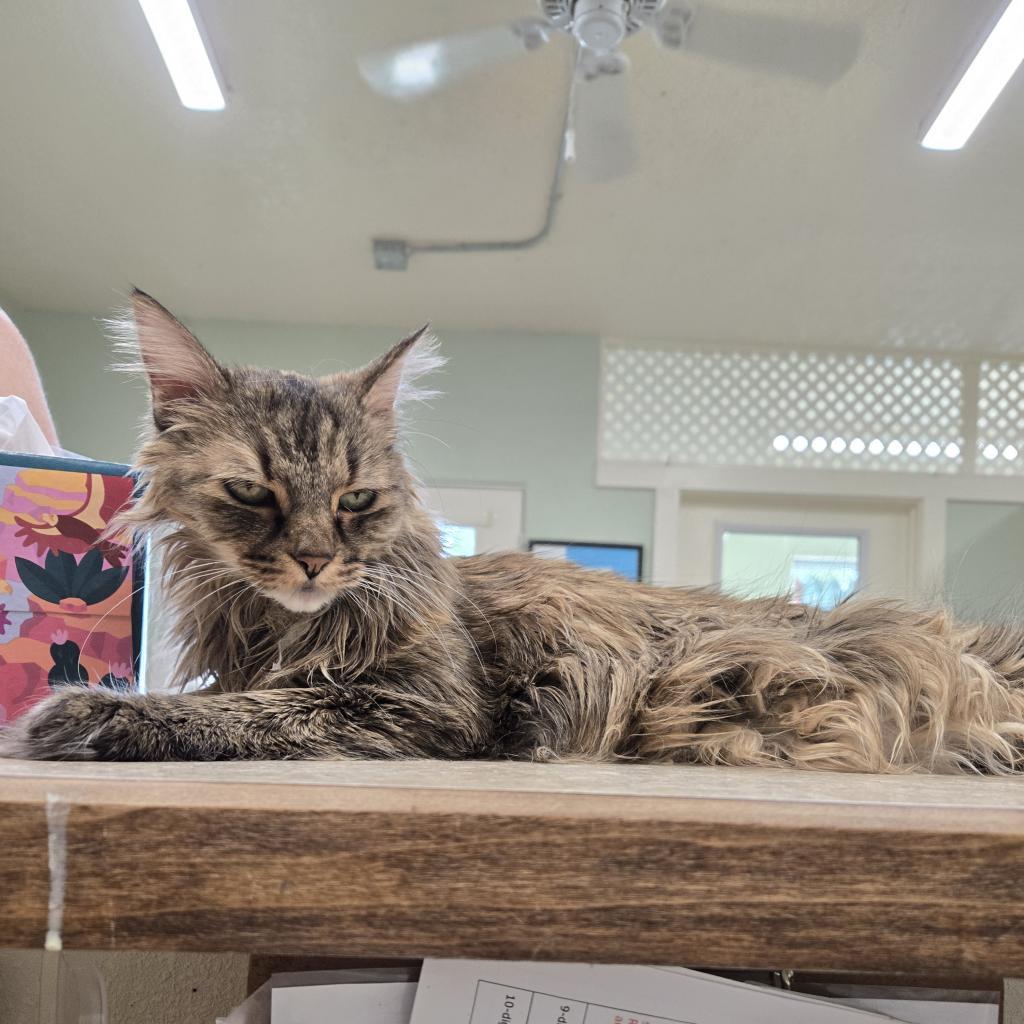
(763, 211)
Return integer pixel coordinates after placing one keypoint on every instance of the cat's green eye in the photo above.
(357, 501)
(249, 493)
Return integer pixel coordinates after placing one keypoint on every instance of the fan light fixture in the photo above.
(597, 135)
(181, 45)
(992, 67)
(416, 70)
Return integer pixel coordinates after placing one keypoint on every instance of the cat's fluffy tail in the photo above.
(870, 686)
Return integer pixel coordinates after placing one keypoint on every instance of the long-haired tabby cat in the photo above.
(309, 585)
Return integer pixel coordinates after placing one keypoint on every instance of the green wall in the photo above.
(517, 409)
(985, 559)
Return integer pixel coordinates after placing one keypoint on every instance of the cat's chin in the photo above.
(302, 601)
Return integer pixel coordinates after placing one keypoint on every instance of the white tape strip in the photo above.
(57, 829)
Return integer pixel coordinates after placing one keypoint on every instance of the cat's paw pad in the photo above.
(61, 728)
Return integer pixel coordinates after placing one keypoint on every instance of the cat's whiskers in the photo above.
(422, 586)
(230, 597)
(406, 601)
(378, 589)
(430, 437)
(204, 564)
(131, 593)
(395, 596)
(413, 577)
(195, 580)
(189, 575)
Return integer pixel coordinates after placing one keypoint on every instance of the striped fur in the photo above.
(393, 651)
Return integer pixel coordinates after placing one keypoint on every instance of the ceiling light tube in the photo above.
(181, 45)
(993, 66)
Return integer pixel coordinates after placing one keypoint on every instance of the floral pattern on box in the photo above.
(68, 598)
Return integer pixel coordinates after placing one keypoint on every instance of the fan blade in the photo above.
(413, 70)
(778, 44)
(603, 146)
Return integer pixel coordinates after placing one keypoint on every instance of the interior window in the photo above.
(816, 569)
(457, 540)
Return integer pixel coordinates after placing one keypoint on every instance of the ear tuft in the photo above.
(150, 338)
(393, 380)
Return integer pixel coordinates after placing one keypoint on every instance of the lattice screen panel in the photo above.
(1000, 418)
(812, 409)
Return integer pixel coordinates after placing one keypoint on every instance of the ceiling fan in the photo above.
(599, 129)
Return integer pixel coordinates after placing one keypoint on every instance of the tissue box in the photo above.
(71, 598)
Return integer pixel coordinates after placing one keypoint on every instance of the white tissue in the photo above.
(19, 431)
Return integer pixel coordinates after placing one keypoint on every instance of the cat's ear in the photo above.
(179, 369)
(392, 379)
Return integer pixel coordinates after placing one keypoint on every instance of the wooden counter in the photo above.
(680, 865)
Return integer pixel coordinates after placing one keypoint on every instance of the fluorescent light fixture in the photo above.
(994, 65)
(181, 45)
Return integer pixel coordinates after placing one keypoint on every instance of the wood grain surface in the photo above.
(701, 867)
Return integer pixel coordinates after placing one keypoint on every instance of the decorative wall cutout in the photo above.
(820, 410)
(1001, 418)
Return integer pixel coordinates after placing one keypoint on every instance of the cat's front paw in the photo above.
(64, 727)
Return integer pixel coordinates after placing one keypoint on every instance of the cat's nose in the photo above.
(312, 563)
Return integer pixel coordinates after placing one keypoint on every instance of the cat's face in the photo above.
(291, 483)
